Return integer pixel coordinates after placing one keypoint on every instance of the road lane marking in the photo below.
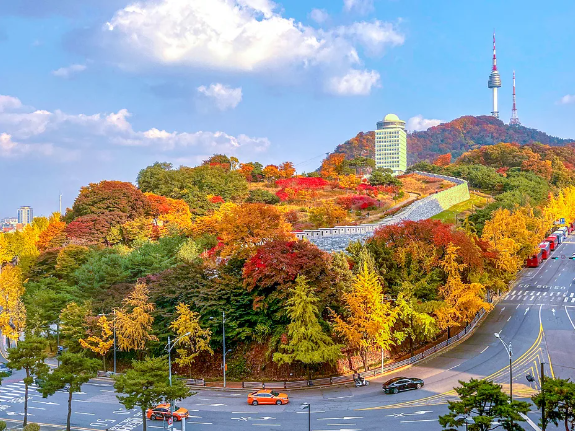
(84, 413)
(485, 349)
(345, 418)
(421, 420)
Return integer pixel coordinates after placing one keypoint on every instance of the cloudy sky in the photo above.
(98, 89)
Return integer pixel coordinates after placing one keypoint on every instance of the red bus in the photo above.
(535, 260)
(545, 249)
(553, 241)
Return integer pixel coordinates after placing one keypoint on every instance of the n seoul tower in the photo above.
(494, 81)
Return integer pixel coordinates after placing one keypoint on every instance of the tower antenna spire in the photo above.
(494, 81)
(514, 118)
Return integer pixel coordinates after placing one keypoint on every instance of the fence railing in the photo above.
(328, 381)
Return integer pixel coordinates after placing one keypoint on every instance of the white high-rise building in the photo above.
(25, 215)
(391, 144)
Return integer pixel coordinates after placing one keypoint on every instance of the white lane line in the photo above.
(421, 420)
(485, 349)
(84, 413)
(345, 418)
(567, 311)
(509, 318)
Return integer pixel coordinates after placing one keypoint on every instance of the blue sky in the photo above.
(99, 89)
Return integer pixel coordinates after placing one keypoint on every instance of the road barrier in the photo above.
(336, 380)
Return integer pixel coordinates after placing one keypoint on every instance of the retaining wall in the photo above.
(339, 237)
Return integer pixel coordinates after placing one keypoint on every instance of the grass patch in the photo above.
(461, 210)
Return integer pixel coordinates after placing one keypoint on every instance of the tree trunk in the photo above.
(104, 357)
(145, 423)
(364, 358)
(26, 397)
(349, 361)
(69, 408)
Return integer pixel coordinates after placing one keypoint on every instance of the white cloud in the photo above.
(418, 123)
(9, 148)
(223, 96)
(69, 136)
(567, 99)
(354, 83)
(374, 36)
(319, 15)
(8, 102)
(240, 36)
(67, 72)
(360, 6)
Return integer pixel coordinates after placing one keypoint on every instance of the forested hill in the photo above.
(455, 137)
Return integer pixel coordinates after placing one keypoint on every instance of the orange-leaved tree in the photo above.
(328, 214)
(54, 235)
(241, 228)
(134, 320)
(286, 170)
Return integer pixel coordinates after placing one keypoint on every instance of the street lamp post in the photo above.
(223, 342)
(308, 407)
(169, 348)
(114, 341)
(510, 354)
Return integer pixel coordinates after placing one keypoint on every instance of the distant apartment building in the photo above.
(25, 215)
(391, 144)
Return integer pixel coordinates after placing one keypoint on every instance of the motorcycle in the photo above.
(360, 381)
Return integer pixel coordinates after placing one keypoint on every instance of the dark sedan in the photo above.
(398, 384)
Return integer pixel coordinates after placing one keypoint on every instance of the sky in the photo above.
(99, 89)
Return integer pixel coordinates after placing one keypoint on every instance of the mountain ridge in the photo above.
(455, 137)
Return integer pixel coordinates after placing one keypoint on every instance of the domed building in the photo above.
(391, 144)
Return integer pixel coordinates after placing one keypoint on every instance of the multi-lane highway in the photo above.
(537, 317)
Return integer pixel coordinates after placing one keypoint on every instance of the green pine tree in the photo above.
(483, 406)
(308, 343)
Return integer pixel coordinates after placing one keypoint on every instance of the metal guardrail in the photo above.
(328, 381)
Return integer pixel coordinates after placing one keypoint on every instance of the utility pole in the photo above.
(224, 343)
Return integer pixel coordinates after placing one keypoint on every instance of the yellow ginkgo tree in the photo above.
(12, 309)
(134, 320)
(193, 338)
(101, 340)
(368, 321)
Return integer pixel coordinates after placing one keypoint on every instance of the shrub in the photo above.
(31, 427)
(263, 197)
(2, 425)
(357, 202)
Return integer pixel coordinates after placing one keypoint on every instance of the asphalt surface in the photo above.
(537, 317)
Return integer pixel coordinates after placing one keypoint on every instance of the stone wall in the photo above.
(338, 237)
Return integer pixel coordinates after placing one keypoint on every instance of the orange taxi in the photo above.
(266, 396)
(163, 411)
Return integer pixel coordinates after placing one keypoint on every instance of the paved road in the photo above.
(537, 317)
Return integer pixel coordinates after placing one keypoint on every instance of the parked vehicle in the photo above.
(164, 411)
(560, 236)
(553, 242)
(565, 231)
(545, 249)
(266, 396)
(399, 384)
(5, 371)
(535, 260)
